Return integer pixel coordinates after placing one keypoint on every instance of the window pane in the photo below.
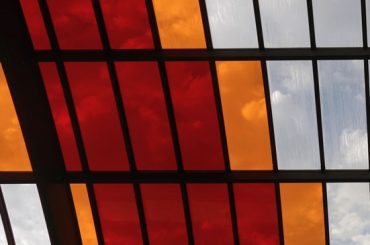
(146, 114)
(303, 215)
(75, 24)
(337, 23)
(2, 234)
(118, 213)
(164, 214)
(196, 115)
(294, 114)
(13, 152)
(210, 213)
(25, 214)
(349, 213)
(232, 23)
(127, 24)
(285, 23)
(97, 115)
(179, 23)
(342, 93)
(256, 213)
(244, 110)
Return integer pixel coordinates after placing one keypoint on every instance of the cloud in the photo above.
(353, 148)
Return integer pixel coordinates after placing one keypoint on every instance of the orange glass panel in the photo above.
(303, 215)
(179, 23)
(84, 215)
(244, 110)
(13, 152)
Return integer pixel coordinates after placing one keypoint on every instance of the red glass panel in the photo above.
(61, 117)
(210, 213)
(118, 214)
(147, 116)
(75, 24)
(164, 214)
(35, 24)
(256, 213)
(196, 115)
(97, 115)
(127, 24)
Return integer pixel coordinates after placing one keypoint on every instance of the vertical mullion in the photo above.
(279, 212)
(364, 23)
(367, 95)
(326, 215)
(6, 221)
(257, 15)
(311, 24)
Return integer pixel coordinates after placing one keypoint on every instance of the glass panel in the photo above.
(349, 213)
(338, 23)
(118, 213)
(25, 214)
(210, 213)
(256, 213)
(368, 21)
(127, 24)
(35, 24)
(179, 23)
(302, 211)
(84, 215)
(13, 152)
(164, 214)
(232, 23)
(343, 108)
(61, 117)
(2, 234)
(98, 116)
(294, 114)
(285, 23)
(196, 115)
(75, 24)
(244, 110)
(146, 114)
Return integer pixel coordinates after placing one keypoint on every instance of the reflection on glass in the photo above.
(232, 23)
(25, 213)
(337, 23)
(303, 214)
(244, 110)
(179, 23)
(343, 109)
(13, 152)
(349, 213)
(285, 23)
(294, 114)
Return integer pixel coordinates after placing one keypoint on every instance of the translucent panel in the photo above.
(294, 114)
(35, 24)
(210, 213)
(303, 214)
(285, 23)
(61, 117)
(232, 23)
(179, 23)
(25, 214)
(127, 24)
(164, 214)
(118, 214)
(146, 114)
(196, 115)
(343, 109)
(244, 110)
(75, 24)
(13, 152)
(84, 215)
(97, 115)
(349, 213)
(338, 23)
(2, 234)
(256, 213)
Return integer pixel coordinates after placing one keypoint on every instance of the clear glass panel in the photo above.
(294, 114)
(342, 93)
(337, 23)
(232, 23)
(349, 213)
(25, 214)
(2, 233)
(285, 23)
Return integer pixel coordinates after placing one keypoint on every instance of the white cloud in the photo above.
(353, 149)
